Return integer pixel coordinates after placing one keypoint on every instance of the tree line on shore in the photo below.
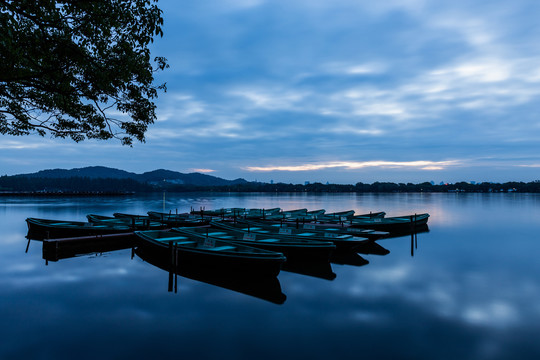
(19, 184)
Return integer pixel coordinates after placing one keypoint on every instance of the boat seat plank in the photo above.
(187, 242)
(268, 240)
(251, 229)
(172, 238)
(222, 248)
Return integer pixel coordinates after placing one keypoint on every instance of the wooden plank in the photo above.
(92, 238)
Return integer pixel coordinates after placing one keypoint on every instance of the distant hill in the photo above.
(92, 172)
(186, 179)
(157, 177)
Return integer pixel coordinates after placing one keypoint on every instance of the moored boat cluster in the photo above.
(257, 241)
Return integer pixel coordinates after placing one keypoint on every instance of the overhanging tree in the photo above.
(79, 68)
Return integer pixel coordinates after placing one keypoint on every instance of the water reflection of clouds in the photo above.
(422, 312)
(358, 307)
(466, 294)
(19, 268)
(12, 239)
(35, 274)
(391, 275)
(368, 317)
(119, 271)
(473, 298)
(496, 313)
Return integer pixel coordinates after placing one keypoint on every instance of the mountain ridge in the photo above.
(152, 177)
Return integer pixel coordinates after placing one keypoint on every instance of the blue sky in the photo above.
(340, 91)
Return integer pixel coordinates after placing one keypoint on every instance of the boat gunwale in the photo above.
(257, 252)
(297, 243)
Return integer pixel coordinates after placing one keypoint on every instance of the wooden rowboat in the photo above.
(259, 213)
(40, 229)
(340, 215)
(135, 224)
(224, 212)
(131, 216)
(409, 223)
(173, 220)
(288, 214)
(343, 241)
(338, 228)
(216, 255)
(343, 216)
(319, 216)
(294, 249)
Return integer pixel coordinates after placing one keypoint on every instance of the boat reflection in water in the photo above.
(414, 239)
(319, 269)
(263, 287)
(323, 269)
(57, 249)
(405, 232)
(351, 258)
(371, 248)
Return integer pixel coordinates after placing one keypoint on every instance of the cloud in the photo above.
(309, 81)
(271, 98)
(202, 170)
(347, 68)
(244, 4)
(180, 106)
(19, 145)
(422, 165)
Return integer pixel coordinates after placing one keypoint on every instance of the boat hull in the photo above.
(176, 220)
(63, 248)
(342, 241)
(184, 259)
(403, 224)
(294, 250)
(40, 229)
(134, 223)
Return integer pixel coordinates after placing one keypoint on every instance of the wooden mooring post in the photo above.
(175, 268)
(171, 268)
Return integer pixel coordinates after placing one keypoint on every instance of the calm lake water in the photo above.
(471, 290)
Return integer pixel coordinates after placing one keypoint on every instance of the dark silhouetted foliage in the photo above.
(67, 66)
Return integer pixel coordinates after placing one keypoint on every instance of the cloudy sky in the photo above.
(339, 91)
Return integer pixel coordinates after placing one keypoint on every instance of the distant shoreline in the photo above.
(104, 181)
(58, 193)
(293, 189)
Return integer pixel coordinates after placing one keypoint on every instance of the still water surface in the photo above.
(471, 290)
